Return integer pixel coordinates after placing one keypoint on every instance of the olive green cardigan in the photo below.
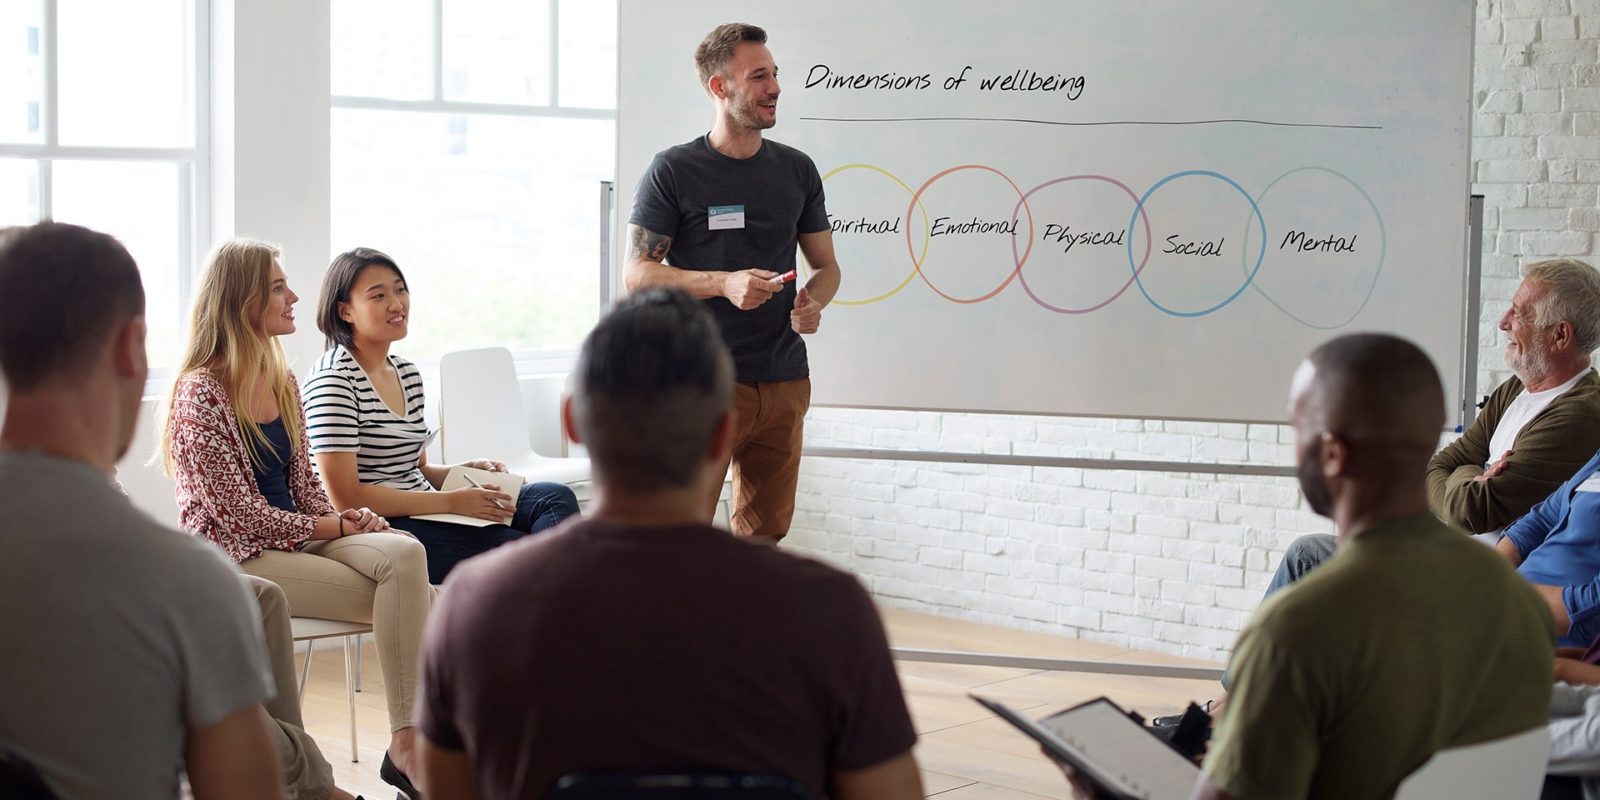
(1547, 451)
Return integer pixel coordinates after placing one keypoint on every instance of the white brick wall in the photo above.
(1175, 562)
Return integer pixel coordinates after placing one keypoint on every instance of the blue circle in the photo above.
(1139, 208)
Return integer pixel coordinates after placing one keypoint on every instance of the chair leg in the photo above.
(305, 669)
(358, 662)
(350, 696)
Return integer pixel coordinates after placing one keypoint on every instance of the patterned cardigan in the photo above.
(217, 493)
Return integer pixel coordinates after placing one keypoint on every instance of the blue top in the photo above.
(272, 471)
(1559, 540)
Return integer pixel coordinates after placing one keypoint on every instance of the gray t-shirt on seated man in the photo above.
(120, 634)
(778, 195)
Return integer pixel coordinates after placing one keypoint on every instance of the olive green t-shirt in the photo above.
(1412, 639)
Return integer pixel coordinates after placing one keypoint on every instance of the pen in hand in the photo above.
(476, 485)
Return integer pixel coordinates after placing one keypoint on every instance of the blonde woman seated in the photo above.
(364, 415)
(234, 439)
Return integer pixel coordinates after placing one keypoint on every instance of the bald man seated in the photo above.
(1412, 640)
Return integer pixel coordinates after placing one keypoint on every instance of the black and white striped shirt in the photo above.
(345, 415)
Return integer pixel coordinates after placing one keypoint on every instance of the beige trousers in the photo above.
(306, 774)
(381, 578)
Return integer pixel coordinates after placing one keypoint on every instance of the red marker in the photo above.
(786, 277)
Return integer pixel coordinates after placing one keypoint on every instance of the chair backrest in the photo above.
(542, 395)
(676, 786)
(1504, 769)
(480, 407)
(19, 780)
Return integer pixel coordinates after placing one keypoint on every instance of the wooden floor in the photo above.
(965, 752)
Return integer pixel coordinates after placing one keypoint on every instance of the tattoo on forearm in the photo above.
(649, 244)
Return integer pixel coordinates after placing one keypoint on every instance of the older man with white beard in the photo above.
(1535, 430)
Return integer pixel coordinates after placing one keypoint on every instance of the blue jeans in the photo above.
(1304, 555)
(539, 506)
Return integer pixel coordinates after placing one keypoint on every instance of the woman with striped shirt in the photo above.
(364, 417)
(233, 438)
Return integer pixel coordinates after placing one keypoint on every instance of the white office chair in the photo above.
(1504, 769)
(309, 630)
(481, 416)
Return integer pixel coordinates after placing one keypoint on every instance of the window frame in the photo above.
(530, 362)
(193, 162)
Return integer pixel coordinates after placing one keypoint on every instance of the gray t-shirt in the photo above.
(120, 634)
(779, 193)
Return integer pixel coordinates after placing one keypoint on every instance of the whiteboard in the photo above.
(1132, 209)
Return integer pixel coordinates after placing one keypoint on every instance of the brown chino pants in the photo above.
(768, 427)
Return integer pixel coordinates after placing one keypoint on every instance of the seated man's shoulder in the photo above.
(1422, 571)
(1588, 385)
(584, 556)
(85, 515)
(1582, 401)
(152, 582)
(788, 572)
(168, 565)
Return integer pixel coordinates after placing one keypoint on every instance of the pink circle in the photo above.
(1022, 277)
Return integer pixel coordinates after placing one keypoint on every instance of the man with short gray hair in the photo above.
(640, 638)
(1535, 430)
(1538, 427)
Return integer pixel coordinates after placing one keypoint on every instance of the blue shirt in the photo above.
(271, 465)
(1559, 540)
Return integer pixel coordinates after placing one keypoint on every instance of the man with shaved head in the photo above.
(1412, 640)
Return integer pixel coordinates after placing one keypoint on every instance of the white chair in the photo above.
(309, 630)
(481, 416)
(1504, 769)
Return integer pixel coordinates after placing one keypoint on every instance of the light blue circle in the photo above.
(1383, 250)
(1139, 207)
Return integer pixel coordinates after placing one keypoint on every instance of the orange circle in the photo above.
(1015, 270)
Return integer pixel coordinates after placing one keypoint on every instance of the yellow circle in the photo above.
(927, 230)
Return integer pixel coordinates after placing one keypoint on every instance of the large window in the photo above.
(99, 126)
(469, 141)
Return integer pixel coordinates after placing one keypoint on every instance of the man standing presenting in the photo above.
(719, 218)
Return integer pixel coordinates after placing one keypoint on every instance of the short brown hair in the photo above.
(716, 50)
(63, 289)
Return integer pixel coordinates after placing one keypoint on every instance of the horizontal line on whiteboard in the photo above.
(1024, 120)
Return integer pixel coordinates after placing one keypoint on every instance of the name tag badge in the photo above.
(1590, 485)
(725, 218)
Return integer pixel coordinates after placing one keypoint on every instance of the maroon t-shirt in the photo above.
(600, 647)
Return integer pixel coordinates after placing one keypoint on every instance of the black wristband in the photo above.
(341, 525)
